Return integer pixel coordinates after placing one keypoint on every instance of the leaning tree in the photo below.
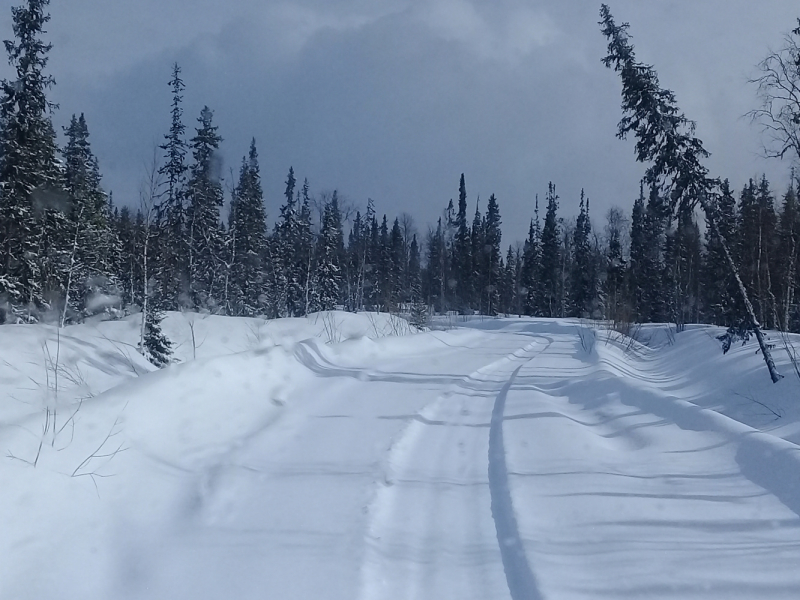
(666, 141)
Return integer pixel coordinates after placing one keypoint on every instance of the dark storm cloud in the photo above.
(394, 100)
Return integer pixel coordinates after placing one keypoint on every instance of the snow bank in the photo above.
(54, 382)
(82, 361)
(103, 452)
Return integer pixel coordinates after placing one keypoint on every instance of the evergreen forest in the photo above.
(197, 240)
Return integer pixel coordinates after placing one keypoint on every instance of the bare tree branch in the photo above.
(778, 89)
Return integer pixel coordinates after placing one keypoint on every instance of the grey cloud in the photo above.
(394, 100)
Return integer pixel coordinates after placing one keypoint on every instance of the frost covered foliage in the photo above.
(419, 315)
(157, 347)
(733, 335)
(34, 232)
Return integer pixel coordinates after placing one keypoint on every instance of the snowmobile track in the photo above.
(418, 489)
(520, 578)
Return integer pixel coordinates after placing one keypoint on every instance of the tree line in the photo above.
(201, 241)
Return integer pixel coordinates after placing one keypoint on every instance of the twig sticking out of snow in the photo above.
(100, 453)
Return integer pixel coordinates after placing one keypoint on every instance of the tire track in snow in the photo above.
(521, 581)
(402, 559)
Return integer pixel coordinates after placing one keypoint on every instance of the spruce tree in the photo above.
(549, 276)
(328, 270)
(356, 255)
(373, 275)
(384, 266)
(508, 284)
(492, 265)
(173, 268)
(397, 261)
(530, 267)
(304, 253)
(720, 296)
(566, 231)
(479, 261)
(681, 279)
(639, 262)
(248, 233)
(157, 346)
(666, 140)
(365, 258)
(91, 282)
(127, 262)
(205, 198)
(582, 289)
(657, 292)
(273, 290)
(419, 309)
(34, 232)
(338, 229)
(437, 271)
(462, 252)
(692, 260)
(617, 304)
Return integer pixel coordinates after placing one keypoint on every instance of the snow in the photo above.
(347, 456)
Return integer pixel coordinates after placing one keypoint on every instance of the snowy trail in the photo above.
(289, 510)
(510, 460)
(431, 532)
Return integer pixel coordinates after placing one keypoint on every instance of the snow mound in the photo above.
(41, 365)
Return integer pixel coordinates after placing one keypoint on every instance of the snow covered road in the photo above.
(514, 459)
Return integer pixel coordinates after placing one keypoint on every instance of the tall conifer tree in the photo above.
(655, 305)
(617, 303)
(31, 207)
(397, 262)
(419, 309)
(550, 265)
(479, 261)
(639, 258)
(437, 268)
(173, 246)
(91, 281)
(384, 266)
(666, 140)
(248, 233)
(720, 296)
(509, 285)
(305, 253)
(492, 265)
(462, 251)
(582, 289)
(328, 271)
(288, 245)
(205, 197)
(530, 267)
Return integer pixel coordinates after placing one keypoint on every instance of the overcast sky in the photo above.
(394, 100)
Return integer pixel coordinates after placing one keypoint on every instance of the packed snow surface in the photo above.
(348, 457)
